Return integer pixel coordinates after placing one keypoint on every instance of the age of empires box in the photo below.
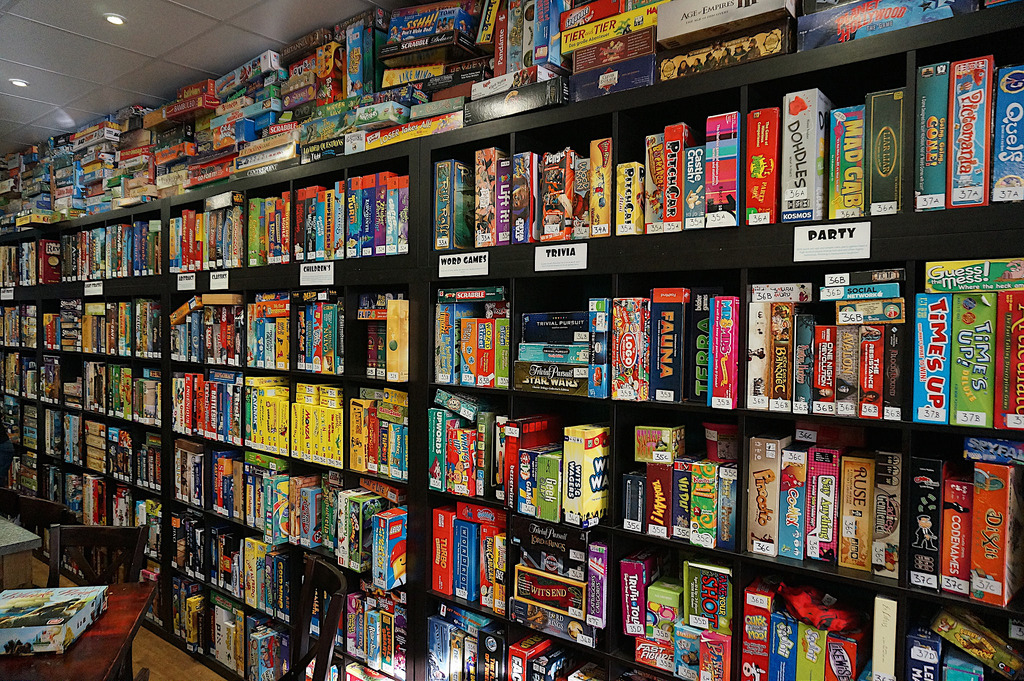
(872, 17)
(681, 24)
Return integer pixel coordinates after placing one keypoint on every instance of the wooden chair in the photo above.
(37, 515)
(10, 503)
(125, 546)
(320, 577)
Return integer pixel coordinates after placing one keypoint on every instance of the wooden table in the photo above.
(98, 654)
(16, 545)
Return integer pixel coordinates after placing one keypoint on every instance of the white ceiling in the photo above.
(80, 66)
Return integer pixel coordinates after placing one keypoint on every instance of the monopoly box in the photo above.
(970, 128)
(867, 18)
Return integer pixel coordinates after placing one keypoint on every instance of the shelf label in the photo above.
(317, 274)
(1017, 630)
(187, 281)
(7, 293)
(930, 201)
(464, 265)
(849, 241)
(219, 281)
(93, 288)
(1000, 194)
(806, 435)
(555, 258)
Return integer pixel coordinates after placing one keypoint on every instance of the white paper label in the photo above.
(1015, 420)
(759, 219)
(930, 201)
(694, 223)
(846, 409)
(832, 292)
(585, 640)
(570, 256)
(1017, 630)
(721, 403)
(883, 208)
(869, 411)
(850, 317)
(607, 80)
(463, 265)
(765, 548)
(970, 418)
(951, 583)
(986, 585)
(892, 414)
(1000, 194)
(711, 435)
(632, 525)
(847, 213)
(850, 241)
(699, 621)
(355, 142)
(806, 435)
(187, 281)
(7, 293)
(219, 281)
(924, 580)
(795, 194)
(842, 279)
(967, 194)
(317, 274)
(880, 676)
(800, 407)
(924, 654)
(93, 288)
(658, 531)
(931, 415)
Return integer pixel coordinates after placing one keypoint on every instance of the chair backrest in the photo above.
(38, 514)
(123, 546)
(10, 502)
(320, 577)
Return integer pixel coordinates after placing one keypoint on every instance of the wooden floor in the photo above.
(165, 661)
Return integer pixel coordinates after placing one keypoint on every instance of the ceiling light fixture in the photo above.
(115, 19)
(18, 82)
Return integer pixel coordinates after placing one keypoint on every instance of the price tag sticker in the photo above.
(930, 201)
(832, 292)
(842, 279)
(1007, 194)
(759, 219)
(842, 241)
(219, 281)
(850, 317)
(463, 265)
(883, 208)
(187, 281)
(795, 194)
(967, 194)
(7, 293)
(1015, 420)
(93, 288)
(970, 418)
(571, 256)
(806, 435)
(763, 547)
(317, 274)
(931, 415)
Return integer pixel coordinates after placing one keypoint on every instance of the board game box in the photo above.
(883, 158)
(47, 620)
(970, 127)
(932, 119)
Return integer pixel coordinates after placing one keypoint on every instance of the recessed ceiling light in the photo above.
(18, 82)
(115, 19)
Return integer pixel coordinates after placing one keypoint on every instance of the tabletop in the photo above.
(15, 539)
(95, 656)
